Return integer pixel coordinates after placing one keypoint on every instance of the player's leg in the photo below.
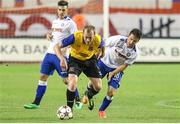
(78, 104)
(77, 97)
(41, 89)
(113, 85)
(106, 102)
(93, 73)
(46, 69)
(100, 71)
(85, 99)
(70, 93)
(74, 71)
(93, 88)
(64, 76)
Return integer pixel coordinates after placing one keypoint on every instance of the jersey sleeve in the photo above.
(72, 27)
(102, 43)
(111, 41)
(67, 41)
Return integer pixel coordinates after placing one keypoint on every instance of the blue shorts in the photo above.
(50, 63)
(115, 80)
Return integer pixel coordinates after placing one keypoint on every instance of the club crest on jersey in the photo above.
(83, 54)
(128, 54)
(90, 48)
(119, 54)
(122, 39)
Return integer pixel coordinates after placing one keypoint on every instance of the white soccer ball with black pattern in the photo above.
(64, 112)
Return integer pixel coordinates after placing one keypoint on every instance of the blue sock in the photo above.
(106, 101)
(40, 91)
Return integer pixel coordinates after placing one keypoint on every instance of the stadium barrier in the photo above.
(33, 50)
(22, 50)
(28, 23)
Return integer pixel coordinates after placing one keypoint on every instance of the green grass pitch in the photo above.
(148, 93)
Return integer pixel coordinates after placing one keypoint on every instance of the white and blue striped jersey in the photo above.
(117, 52)
(61, 28)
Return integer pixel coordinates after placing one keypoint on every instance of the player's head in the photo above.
(88, 33)
(133, 37)
(62, 9)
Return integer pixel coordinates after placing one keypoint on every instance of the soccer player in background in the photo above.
(80, 20)
(62, 27)
(119, 54)
(83, 47)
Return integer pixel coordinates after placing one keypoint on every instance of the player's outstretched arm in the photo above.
(100, 53)
(59, 54)
(101, 50)
(57, 48)
(49, 36)
(120, 68)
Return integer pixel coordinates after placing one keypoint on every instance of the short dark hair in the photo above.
(136, 32)
(63, 3)
(89, 28)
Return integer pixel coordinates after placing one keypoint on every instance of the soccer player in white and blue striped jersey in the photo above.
(62, 27)
(120, 52)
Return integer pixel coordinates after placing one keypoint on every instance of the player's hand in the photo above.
(63, 64)
(49, 36)
(100, 55)
(110, 75)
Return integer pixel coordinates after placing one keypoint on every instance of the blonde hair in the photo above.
(89, 28)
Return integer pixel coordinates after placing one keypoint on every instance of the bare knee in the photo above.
(97, 85)
(44, 77)
(111, 91)
(72, 82)
(110, 94)
(65, 80)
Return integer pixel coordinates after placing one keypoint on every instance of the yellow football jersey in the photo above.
(82, 51)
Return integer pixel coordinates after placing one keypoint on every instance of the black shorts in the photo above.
(88, 67)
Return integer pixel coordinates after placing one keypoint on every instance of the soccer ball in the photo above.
(64, 112)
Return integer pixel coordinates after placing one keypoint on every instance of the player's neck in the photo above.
(63, 17)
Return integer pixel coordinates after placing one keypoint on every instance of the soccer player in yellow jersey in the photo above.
(83, 47)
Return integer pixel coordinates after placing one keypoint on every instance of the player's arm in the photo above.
(120, 68)
(101, 50)
(49, 35)
(60, 55)
(57, 48)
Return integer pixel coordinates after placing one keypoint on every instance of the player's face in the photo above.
(88, 36)
(131, 40)
(62, 11)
